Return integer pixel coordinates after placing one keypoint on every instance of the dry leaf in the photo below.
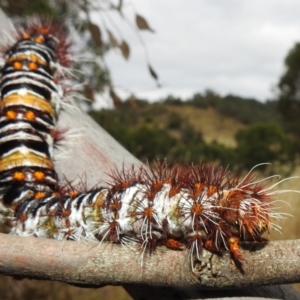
(120, 5)
(124, 47)
(88, 92)
(112, 40)
(116, 99)
(96, 34)
(142, 23)
(153, 73)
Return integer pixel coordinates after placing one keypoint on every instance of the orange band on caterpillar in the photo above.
(32, 101)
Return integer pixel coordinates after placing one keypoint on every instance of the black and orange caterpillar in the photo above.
(193, 207)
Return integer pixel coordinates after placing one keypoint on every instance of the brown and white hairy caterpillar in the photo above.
(182, 207)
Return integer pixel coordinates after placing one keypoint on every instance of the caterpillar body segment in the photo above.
(30, 99)
(206, 211)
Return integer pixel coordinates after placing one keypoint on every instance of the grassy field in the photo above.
(212, 124)
(290, 226)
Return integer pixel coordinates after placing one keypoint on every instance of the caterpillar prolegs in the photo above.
(182, 207)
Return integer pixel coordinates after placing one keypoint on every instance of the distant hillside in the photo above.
(245, 110)
(216, 118)
(208, 123)
(212, 125)
(207, 127)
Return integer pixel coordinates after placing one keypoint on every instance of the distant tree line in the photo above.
(245, 110)
(264, 140)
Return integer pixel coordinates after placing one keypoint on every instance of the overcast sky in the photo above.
(230, 46)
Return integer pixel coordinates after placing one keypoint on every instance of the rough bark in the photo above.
(92, 264)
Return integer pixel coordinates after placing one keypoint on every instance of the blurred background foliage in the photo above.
(289, 91)
(170, 129)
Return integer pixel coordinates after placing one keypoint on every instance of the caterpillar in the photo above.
(182, 207)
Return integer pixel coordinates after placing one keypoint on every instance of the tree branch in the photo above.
(92, 264)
